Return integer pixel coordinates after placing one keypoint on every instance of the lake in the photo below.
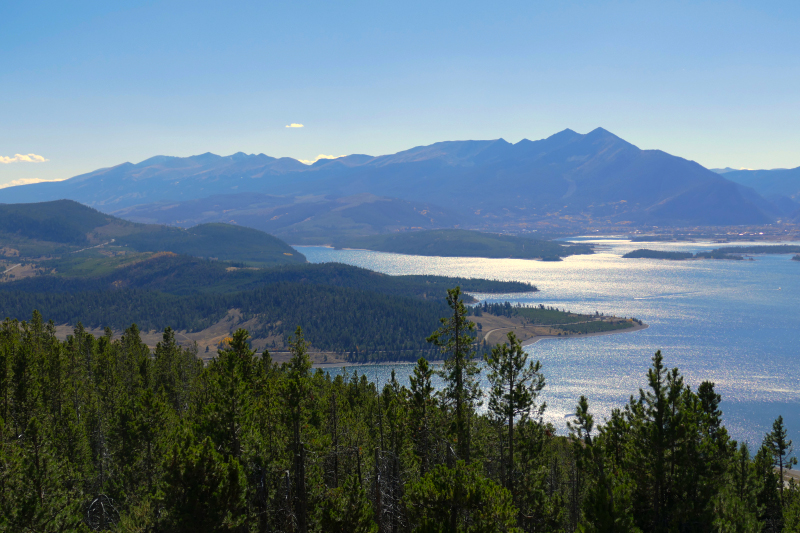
(736, 323)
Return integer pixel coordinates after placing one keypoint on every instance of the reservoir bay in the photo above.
(736, 323)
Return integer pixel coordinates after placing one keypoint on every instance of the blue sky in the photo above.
(93, 84)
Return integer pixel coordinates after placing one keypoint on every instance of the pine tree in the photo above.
(265, 442)
(515, 385)
(781, 449)
(201, 492)
(167, 378)
(655, 418)
(147, 439)
(478, 504)
(298, 383)
(423, 404)
(230, 391)
(394, 406)
(38, 494)
(768, 496)
(347, 509)
(455, 338)
(791, 509)
(95, 434)
(735, 507)
(607, 500)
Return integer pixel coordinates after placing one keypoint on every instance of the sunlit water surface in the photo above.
(736, 323)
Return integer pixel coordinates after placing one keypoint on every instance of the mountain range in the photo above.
(781, 186)
(566, 180)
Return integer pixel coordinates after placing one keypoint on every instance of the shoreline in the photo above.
(220, 330)
(538, 338)
(527, 342)
(541, 259)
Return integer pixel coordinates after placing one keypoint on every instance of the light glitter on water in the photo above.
(736, 323)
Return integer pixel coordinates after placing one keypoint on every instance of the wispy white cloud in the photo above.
(23, 158)
(24, 181)
(293, 125)
(320, 156)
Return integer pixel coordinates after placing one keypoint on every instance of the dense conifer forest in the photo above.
(361, 314)
(336, 319)
(185, 275)
(466, 243)
(104, 435)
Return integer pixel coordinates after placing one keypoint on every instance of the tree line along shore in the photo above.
(348, 314)
(730, 252)
(102, 434)
(493, 322)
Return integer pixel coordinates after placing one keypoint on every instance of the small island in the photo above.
(760, 249)
(796, 258)
(643, 253)
(730, 252)
(718, 254)
(466, 243)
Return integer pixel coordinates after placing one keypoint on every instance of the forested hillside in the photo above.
(61, 228)
(178, 274)
(464, 243)
(102, 435)
(363, 315)
(219, 241)
(363, 326)
(61, 221)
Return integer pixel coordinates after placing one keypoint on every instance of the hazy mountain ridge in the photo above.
(781, 186)
(569, 177)
(304, 220)
(773, 181)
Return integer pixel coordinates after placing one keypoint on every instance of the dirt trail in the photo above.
(9, 269)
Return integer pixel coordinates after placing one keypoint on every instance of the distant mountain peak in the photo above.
(205, 158)
(155, 160)
(563, 135)
(566, 132)
(591, 178)
(602, 132)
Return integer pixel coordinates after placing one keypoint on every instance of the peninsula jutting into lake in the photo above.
(463, 243)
